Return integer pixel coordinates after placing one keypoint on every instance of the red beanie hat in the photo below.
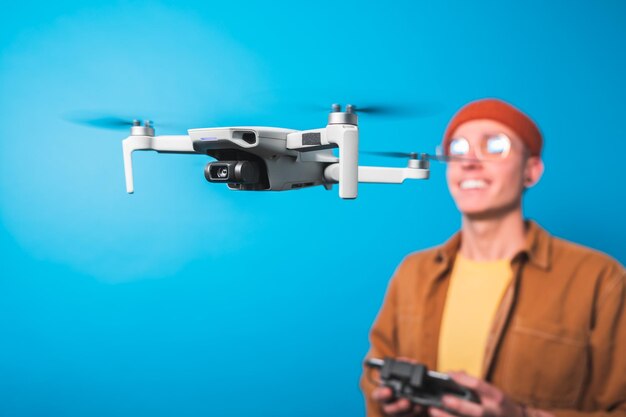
(500, 111)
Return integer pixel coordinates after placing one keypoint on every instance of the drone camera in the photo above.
(232, 172)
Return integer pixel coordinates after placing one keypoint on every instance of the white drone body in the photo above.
(268, 158)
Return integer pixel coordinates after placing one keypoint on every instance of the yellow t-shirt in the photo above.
(474, 294)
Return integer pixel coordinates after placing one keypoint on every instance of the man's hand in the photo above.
(395, 407)
(493, 402)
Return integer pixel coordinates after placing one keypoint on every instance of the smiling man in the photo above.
(534, 324)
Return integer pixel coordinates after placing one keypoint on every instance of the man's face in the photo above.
(490, 188)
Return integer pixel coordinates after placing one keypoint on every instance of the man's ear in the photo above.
(533, 171)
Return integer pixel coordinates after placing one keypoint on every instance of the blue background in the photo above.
(187, 299)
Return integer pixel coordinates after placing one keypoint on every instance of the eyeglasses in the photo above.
(492, 147)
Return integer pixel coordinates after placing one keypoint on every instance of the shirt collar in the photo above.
(537, 247)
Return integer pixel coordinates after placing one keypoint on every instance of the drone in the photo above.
(257, 158)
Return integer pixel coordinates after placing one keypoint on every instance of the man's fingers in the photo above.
(401, 406)
(482, 388)
(462, 407)
(465, 380)
(382, 394)
(437, 412)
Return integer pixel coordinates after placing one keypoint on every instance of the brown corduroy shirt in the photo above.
(558, 339)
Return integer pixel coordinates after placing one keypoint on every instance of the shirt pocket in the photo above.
(546, 363)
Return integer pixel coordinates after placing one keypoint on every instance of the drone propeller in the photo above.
(102, 121)
(404, 155)
(390, 110)
(430, 157)
(399, 110)
(107, 121)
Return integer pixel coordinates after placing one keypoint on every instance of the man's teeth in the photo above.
(472, 184)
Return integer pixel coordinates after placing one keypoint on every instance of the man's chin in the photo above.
(488, 213)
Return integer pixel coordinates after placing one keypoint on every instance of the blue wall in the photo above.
(188, 299)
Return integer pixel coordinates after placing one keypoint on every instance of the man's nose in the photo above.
(471, 160)
(471, 165)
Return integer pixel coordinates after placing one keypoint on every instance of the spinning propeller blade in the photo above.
(107, 121)
(403, 155)
(399, 110)
(101, 121)
(430, 157)
(393, 110)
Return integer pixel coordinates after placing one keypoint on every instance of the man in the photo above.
(534, 324)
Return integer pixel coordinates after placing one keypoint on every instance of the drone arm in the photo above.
(385, 175)
(348, 142)
(343, 136)
(166, 144)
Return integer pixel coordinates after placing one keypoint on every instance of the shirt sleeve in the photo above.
(383, 343)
